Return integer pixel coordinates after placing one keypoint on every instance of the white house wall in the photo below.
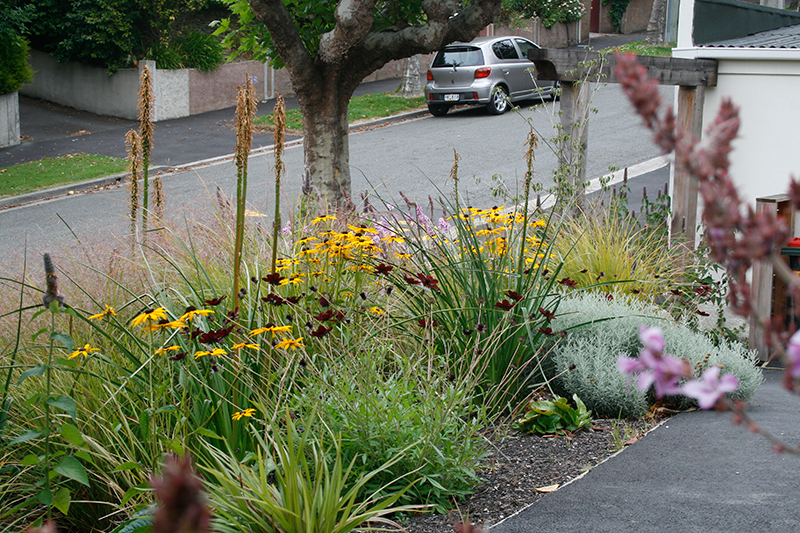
(767, 150)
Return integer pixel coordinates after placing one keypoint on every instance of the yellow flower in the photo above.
(241, 345)
(403, 256)
(108, 311)
(290, 344)
(272, 329)
(394, 238)
(84, 351)
(356, 229)
(150, 315)
(215, 351)
(377, 310)
(191, 314)
(175, 324)
(166, 349)
(322, 219)
(238, 415)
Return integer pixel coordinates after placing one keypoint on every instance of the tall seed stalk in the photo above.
(145, 106)
(532, 143)
(279, 117)
(245, 110)
(134, 145)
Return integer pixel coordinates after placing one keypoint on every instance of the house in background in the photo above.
(758, 53)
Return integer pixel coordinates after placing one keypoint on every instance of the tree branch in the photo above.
(354, 20)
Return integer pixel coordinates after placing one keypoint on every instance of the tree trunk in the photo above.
(657, 24)
(325, 145)
(410, 85)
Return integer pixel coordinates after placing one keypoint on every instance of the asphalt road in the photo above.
(413, 157)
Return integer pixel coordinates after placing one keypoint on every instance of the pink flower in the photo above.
(652, 338)
(710, 387)
(793, 354)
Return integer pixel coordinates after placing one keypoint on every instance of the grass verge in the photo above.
(52, 172)
(366, 107)
(643, 49)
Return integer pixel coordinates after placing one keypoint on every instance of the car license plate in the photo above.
(451, 98)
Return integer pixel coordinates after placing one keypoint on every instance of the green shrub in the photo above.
(599, 330)
(199, 50)
(14, 68)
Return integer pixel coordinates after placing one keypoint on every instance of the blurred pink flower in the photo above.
(710, 387)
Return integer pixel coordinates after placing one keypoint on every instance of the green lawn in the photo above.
(46, 173)
(367, 107)
(643, 49)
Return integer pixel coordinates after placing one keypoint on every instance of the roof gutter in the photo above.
(745, 54)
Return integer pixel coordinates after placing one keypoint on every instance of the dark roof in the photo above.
(788, 37)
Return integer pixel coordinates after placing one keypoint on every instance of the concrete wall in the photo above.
(9, 119)
(636, 17)
(179, 93)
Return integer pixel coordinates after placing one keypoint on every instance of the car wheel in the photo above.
(498, 102)
(438, 110)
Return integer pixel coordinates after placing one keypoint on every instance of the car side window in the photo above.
(505, 50)
(524, 46)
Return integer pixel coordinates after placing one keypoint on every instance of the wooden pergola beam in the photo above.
(575, 65)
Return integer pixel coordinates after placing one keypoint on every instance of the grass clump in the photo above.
(366, 107)
(54, 172)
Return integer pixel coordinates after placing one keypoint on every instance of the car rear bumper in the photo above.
(457, 95)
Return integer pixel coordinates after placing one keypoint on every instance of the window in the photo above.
(505, 50)
(459, 56)
(525, 45)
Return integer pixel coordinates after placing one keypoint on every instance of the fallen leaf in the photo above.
(631, 441)
(548, 488)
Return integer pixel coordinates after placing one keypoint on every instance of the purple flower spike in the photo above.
(710, 387)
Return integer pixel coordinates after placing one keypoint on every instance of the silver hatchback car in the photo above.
(488, 71)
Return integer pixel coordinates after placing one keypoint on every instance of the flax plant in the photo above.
(279, 116)
(245, 111)
(145, 105)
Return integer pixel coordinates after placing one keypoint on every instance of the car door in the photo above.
(524, 46)
(514, 68)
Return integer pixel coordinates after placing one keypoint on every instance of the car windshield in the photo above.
(459, 56)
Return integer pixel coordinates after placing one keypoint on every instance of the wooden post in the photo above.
(575, 133)
(684, 189)
(769, 291)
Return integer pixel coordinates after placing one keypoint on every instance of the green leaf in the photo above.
(66, 404)
(61, 500)
(30, 460)
(167, 409)
(135, 525)
(73, 469)
(133, 491)
(203, 432)
(72, 434)
(130, 465)
(33, 337)
(37, 370)
(64, 339)
(45, 497)
(25, 437)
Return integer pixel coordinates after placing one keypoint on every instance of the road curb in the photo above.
(83, 186)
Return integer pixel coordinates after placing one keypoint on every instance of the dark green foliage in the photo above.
(551, 12)
(198, 50)
(14, 68)
(105, 33)
(617, 11)
(552, 417)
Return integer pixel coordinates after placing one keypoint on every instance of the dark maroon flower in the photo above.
(215, 336)
(567, 282)
(215, 301)
(178, 356)
(383, 270)
(324, 302)
(547, 331)
(702, 313)
(505, 305)
(411, 279)
(293, 299)
(425, 323)
(274, 279)
(181, 504)
(514, 295)
(547, 314)
(274, 299)
(324, 316)
(321, 331)
(428, 281)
